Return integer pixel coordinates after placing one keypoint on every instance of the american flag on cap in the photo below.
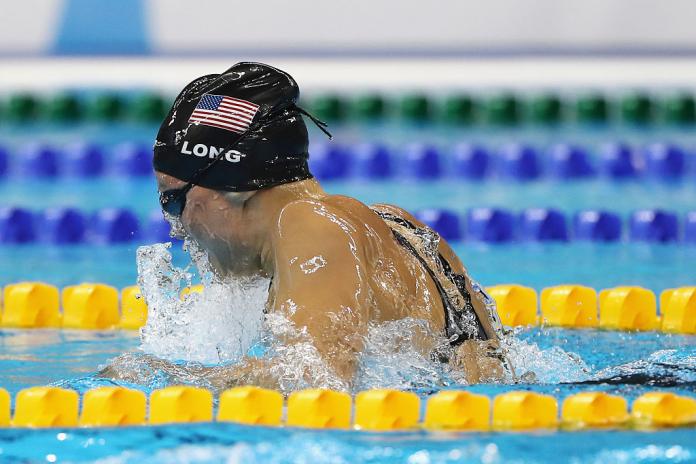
(223, 112)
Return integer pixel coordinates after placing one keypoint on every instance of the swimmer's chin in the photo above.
(230, 267)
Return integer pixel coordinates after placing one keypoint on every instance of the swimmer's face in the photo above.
(211, 217)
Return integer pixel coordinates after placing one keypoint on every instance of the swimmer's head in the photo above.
(237, 131)
(226, 137)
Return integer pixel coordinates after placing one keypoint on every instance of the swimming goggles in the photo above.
(173, 201)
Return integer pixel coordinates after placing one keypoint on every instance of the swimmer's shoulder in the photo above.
(331, 210)
(312, 227)
(360, 213)
(308, 217)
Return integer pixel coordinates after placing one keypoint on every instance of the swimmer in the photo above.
(231, 165)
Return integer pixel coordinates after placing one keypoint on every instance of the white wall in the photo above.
(28, 26)
(171, 74)
(182, 25)
(375, 26)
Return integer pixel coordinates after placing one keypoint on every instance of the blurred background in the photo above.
(550, 141)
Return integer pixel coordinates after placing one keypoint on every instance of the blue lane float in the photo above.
(114, 225)
(690, 227)
(519, 162)
(17, 226)
(665, 161)
(330, 162)
(132, 159)
(597, 226)
(375, 161)
(157, 229)
(422, 161)
(570, 162)
(4, 161)
(471, 161)
(37, 160)
(372, 161)
(491, 225)
(62, 226)
(445, 222)
(83, 160)
(543, 225)
(71, 226)
(654, 226)
(618, 161)
(65, 226)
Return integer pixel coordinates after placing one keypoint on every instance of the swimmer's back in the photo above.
(401, 282)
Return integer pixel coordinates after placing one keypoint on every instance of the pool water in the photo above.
(599, 265)
(631, 364)
(654, 266)
(563, 361)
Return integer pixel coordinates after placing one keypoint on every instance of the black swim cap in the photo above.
(241, 127)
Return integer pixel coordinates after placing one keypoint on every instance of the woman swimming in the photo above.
(231, 163)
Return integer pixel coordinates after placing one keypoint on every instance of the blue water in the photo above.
(655, 266)
(229, 443)
(139, 194)
(622, 363)
(637, 362)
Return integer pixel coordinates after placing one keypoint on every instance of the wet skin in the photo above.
(335, 268)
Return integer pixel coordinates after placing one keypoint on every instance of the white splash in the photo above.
(216, 326)
(392, 358)
(551, 365)
(227, 319)
(302, 365)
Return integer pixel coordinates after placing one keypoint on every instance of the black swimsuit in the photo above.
(461, 320)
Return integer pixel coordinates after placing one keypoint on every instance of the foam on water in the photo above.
(217, 326)
(392, 358)
(226, 321)
(547, 366)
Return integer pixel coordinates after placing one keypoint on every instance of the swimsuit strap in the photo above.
(452, 331)
(461, 320)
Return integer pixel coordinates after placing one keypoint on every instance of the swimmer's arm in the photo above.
(319, 282)
(319, 286)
